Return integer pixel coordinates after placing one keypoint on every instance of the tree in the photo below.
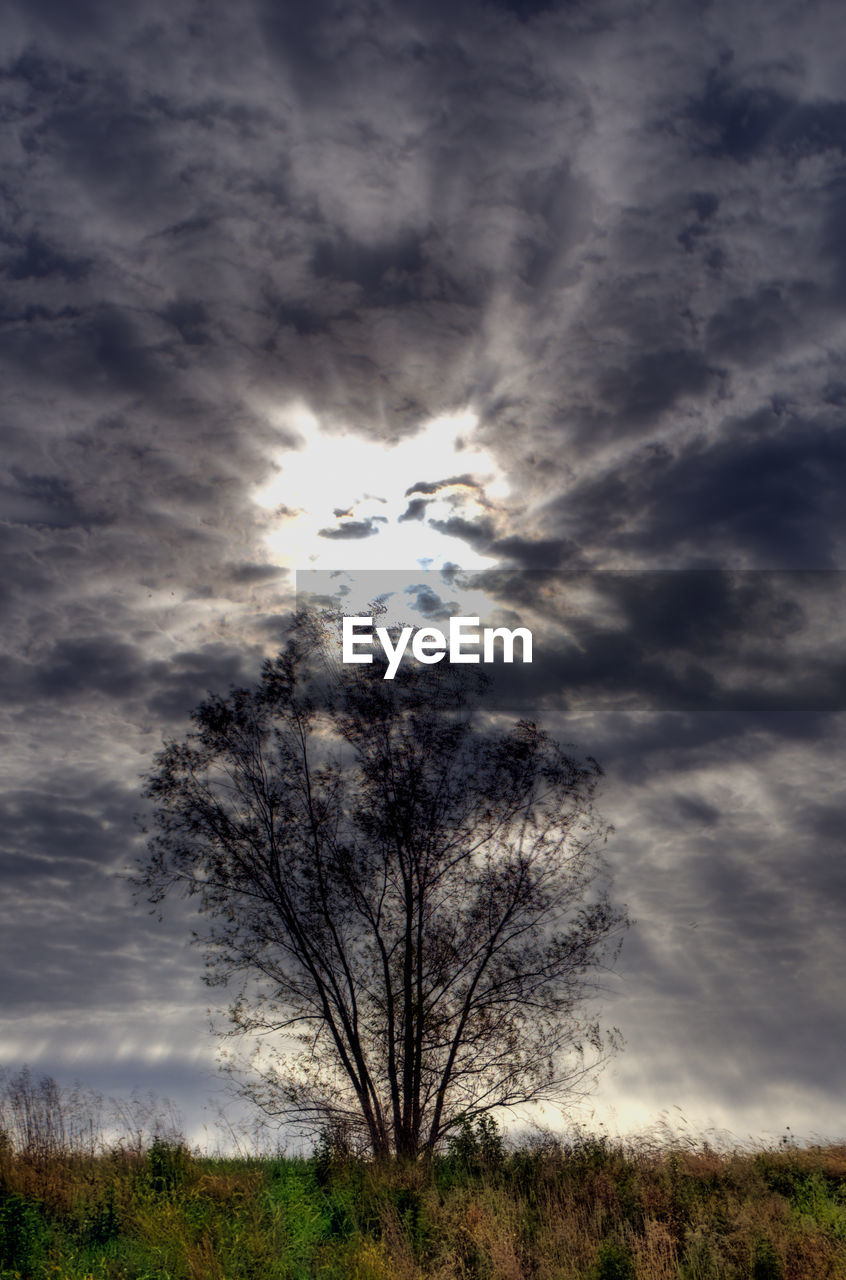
(409, 894)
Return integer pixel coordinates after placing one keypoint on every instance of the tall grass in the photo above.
(585, 1210)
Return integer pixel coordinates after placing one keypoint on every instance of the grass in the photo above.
(590, 1210)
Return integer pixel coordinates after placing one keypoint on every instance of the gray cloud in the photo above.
(354, 529)
(415, 510)
(478, 533)
(435, 486)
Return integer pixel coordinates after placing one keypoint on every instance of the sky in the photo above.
(543, 298)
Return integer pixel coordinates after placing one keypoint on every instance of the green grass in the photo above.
(590, 1211)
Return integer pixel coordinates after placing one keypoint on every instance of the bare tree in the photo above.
(408, 894)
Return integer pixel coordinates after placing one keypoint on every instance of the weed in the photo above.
(167, 1165)
(587, 1210)
(614, 1261)
(766, 1264)
(476, 1148)
(23, 1233)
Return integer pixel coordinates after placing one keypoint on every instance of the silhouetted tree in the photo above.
(410, 892)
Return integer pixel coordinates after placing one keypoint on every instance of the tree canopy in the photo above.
(406, 895)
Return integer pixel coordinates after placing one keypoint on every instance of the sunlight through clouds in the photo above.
(346, 500)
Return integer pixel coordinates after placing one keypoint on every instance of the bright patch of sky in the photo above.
(336, 485)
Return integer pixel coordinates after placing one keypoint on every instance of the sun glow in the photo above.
(343, 500)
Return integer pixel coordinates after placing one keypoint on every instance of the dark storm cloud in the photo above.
(253, 572)
(742, 121)
(174, 687)
(82, 353)
(34, 259)
(769, 490)
(84, 17)
(615, 232)
(478, 533)
(39, 499)
(652, 383)
(77, 671)
(539, 553)
(96, 663)
(428, 603)
(415, 510)
(353, 529)
(385, 275)
(435, 486)
(727, 898)
(753, 329)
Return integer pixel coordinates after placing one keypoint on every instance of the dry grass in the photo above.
(590, 1211)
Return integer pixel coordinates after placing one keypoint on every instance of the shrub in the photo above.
(23, 1233)
(167, 1165)
(614, 1261)
(766, 1264)
(700, 1261)
(476, 1148)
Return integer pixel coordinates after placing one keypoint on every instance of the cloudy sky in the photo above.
(554, 292)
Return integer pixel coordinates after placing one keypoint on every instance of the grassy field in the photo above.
(588, 1210)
